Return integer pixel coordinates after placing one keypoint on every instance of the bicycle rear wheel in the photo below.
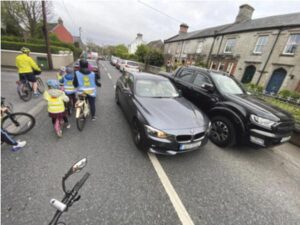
(18, 123)
(24, 91)
(80, 118)
(40, 85)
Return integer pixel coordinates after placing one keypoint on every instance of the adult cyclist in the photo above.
(27, 68)
(86, 82)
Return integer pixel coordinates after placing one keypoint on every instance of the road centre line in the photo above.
(109, 76)
(177, 203)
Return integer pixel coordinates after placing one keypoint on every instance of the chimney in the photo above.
(139, 36)
(183, 28)
(245, 13)
(60, 21)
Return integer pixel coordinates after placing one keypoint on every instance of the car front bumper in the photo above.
(167, 147)
(266, 138)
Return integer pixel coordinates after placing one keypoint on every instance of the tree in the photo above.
(155, 58)
(121, 51)
(23, 16)
(141, 53)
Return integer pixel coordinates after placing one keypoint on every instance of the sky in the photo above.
(111, 22)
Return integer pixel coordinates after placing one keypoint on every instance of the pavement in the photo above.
(238, 185)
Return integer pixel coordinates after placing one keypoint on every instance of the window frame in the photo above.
(227, 43)
(197, 73)
(191, 79)
(287, 44)
(200, 44)
(261, 45)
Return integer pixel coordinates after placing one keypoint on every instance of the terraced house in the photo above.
(263, 51)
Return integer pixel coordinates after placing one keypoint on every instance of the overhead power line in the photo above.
(69, 14)
(159, 11)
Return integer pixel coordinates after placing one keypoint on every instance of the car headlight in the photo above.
(208, 128)
(263, 122)
(155, 132)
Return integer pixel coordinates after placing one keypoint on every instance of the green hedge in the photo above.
(41, 42)
(287, 93)
(33, 47)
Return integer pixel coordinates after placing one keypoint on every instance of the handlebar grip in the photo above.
(80, 183)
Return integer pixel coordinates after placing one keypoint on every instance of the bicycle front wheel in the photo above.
(40, 85)
(24, 91)
(80, 118)
(18, 123)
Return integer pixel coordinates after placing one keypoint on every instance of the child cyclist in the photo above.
(67, 81)
(56, 102)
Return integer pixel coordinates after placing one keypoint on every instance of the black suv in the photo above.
(236, 116)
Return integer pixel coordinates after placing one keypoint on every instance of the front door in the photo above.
(248, 75)
(276, 81)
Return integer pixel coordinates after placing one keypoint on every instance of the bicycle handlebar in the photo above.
(80, 183)
(69, 197)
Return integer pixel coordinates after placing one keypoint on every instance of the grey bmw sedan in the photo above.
(161, 120)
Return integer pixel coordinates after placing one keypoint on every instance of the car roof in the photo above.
(147, 76)
(208, 71)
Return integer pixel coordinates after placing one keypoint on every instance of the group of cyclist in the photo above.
(60, 90)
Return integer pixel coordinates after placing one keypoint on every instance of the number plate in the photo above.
(285, 139)
(189, 146)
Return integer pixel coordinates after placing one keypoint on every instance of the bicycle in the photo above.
(58, 126)
(82, 111)
(70, 196)
(15, 123)
(25, 90)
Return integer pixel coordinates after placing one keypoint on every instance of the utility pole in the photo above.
(46, 36)
(80, 32)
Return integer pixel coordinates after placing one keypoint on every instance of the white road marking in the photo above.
(177, 204)
(109, 76)
(114, 86)
(105, 69)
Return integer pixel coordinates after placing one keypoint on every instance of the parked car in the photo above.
(118, 63)
(113, 60)
(94, 65)
(129, 66)
(236, 116)
(162, 121)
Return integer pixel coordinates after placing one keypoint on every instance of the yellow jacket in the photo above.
(26, 64)
(55, 99)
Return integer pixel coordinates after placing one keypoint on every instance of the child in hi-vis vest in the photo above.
(67, 81)
(56, 102)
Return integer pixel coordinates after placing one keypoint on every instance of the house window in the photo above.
(229, 45)
(261, 42)
(199, 47)
(292, 43)
(229, 68)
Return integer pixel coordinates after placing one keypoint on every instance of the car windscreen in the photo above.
(155, 89)
(227, 84)
(93, 63)
(132, 64)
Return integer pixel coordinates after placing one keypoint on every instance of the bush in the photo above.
(254, 88)
(33, 47)
(155, 58)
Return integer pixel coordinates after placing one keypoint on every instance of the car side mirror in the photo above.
(208, 87)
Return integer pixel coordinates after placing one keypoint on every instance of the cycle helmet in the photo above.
(69, 70)
(83, 63)
(25, 50)
(54, 84)
(62, 69)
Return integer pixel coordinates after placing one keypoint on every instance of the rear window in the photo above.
(132, 64)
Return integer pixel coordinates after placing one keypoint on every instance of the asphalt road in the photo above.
(216, 186)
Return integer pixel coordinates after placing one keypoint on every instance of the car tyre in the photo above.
(138, 135)
(222, 132)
